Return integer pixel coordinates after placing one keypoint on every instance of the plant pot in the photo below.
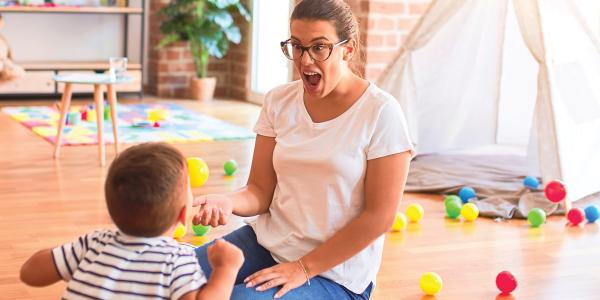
(203, 89)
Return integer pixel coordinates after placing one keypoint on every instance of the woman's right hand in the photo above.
(214, 210)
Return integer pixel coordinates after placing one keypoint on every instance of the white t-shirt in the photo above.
(320, 171)
(108, 264)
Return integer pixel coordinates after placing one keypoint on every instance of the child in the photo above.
(147, 194)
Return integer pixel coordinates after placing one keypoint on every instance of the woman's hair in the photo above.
(338, 12)
(143, 189)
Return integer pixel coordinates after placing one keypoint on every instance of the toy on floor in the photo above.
(180, 231)
(200, 230)
(415, 212)
(139, 123)
(73, 118)
(198, 171)
(467, 193)
(431, 283)
(576, 215)
(536, 217)
(156, 114)
(592, 213)
(555, 191)
(8, 69)
(469, 212)
(400, 222)
(453, 206)
(506, 282)
(230, 167)
(531, 182)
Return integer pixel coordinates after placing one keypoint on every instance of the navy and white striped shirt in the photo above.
(109, 264)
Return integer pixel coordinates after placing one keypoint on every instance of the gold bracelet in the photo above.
(304, 270)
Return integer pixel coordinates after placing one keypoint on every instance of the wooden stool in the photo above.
(98, 80)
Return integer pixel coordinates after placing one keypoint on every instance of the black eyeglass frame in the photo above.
(305, 49)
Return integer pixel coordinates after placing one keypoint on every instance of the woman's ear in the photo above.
(349, 49)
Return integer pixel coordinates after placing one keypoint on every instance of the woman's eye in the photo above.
(296, 46)
(318, 47)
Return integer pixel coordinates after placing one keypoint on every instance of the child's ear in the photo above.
(182, 217)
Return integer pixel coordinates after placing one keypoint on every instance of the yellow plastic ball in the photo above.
(399, 222)
(469, 211)
(198, 171)
(180, 231)
(415, 212)
(431, 283)
(157, 114)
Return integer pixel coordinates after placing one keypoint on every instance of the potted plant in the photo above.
(208, 26)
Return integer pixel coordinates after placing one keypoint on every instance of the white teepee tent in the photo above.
(475, 73)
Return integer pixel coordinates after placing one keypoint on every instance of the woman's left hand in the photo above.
(290, 275)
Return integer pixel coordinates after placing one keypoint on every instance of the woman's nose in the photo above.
(306, 59)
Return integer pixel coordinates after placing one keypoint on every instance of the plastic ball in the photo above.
(431, 283)
(156, 114)
(200, 229)
(180, 231)
(576, 215)
(198, 171)
(592, 213)
(466, 193)
(453, 209)
(415, 212)
(506, 282)
(230, 167)
(555, 191)
(531, 182)
(452, 198)
(469, 211)
(399, 222)
(536, 217)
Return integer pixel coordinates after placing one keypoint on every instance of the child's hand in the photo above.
(223, 254)
(214, 209)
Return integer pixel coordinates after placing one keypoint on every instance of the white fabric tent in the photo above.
(525, 73)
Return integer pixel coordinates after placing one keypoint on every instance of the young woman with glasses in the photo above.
(330, 162)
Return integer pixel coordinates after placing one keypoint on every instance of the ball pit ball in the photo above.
(466, 193)
(592, 213)
(198, 171)
(531, 182)
(431, 283)
(506, 282)
(230, 167)
(576, 215)
(415, 212)
(469, 211)
(555, 191)
(200, 230)
(180, 231)
(400, 222)
(452, 198)
(536, 217)
(453, 209)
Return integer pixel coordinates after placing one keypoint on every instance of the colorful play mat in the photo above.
(137, 123)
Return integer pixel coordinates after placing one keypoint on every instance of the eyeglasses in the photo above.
(317, 52)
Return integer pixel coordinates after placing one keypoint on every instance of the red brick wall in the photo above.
(170, 68)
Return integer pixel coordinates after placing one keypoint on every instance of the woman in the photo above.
(330, 162)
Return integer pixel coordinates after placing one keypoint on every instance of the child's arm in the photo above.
(39, 270)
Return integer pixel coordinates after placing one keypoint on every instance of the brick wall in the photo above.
(384, 25)
(170, 68)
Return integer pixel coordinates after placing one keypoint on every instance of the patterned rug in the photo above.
(137, 123)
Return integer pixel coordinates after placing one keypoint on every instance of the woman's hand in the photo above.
(214, 209)
(290, 275)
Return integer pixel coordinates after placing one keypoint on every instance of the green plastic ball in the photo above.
(453, 199)
(200, 229)
(453, 209)
(230, 167)
(536, 217)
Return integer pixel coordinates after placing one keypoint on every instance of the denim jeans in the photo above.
(258, 258)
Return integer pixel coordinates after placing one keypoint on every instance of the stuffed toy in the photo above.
(8, 70)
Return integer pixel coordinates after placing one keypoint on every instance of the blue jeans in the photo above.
(258, 258)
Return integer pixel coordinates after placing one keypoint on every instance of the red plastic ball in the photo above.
(555, 191)
(506, 282)
(576, 215)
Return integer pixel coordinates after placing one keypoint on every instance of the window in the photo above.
(269, 27)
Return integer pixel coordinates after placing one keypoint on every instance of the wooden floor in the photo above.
(44, 203)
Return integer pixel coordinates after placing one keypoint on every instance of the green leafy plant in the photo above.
(208, 26)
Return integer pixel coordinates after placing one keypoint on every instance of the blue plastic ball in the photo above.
(531, 182)
(592, 213)
(466, 193)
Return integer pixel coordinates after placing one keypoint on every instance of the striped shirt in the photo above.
(108, 264)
